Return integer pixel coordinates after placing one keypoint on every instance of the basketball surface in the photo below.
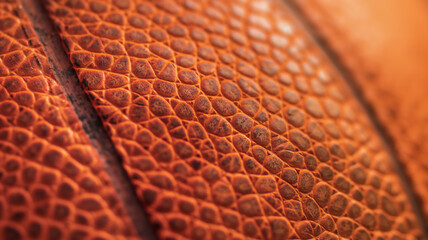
(215, 119)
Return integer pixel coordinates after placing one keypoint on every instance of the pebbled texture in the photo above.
(230, 122)
(52, 185)
(385, 51)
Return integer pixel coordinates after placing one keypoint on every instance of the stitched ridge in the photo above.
(92, 124)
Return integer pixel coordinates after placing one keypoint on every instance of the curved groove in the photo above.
(92, 125)
(357, 92)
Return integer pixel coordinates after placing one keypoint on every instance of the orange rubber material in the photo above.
(385, 51)
(51, 184)
(230, 122)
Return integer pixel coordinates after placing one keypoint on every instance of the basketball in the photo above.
(213, 119)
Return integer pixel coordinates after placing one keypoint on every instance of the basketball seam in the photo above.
(357, 93)
(86, 113)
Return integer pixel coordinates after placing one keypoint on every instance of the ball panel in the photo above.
(214, 160)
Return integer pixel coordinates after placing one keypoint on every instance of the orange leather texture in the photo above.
(383, 44)
(230, 122)
(52, 185)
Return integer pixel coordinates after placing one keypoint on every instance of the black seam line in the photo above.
(92, 124)
(386, 139)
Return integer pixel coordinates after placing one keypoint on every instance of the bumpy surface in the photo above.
(51, 184)
(230, 122)
(385, 51)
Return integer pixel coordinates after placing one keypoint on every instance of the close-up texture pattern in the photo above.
(228, 118)
(388, 63)
(52, 184)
